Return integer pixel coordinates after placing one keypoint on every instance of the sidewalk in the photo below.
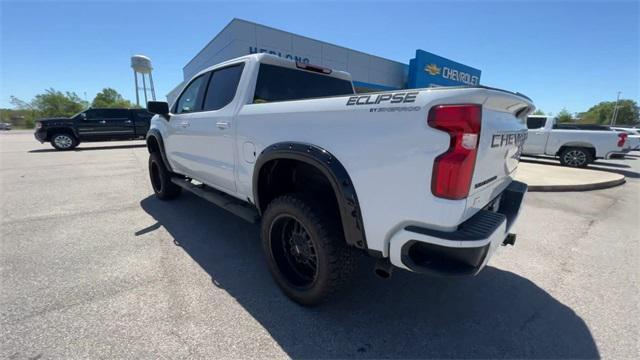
(559, 178)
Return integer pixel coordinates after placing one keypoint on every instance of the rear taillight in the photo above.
(453, 170)
(622, 137)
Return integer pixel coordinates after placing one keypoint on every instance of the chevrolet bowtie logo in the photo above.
(432, 69)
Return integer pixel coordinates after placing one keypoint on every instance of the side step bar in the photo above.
(229, 203)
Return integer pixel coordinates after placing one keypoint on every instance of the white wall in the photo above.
(239, 36)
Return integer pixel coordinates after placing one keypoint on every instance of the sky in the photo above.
(561, 54)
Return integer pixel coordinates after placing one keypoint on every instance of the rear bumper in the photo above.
(464, 251)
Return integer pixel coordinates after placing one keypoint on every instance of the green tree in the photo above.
(52, 103)
(48, 104)
(564, 116)
(19, 118)
(602, 113)
(20, 104)
(23, 110)
(57, 103)
(109, 98)
(539, 112)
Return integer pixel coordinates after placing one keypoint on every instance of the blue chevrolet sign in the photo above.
(428, 69)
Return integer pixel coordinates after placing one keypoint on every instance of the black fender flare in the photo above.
(155, 133)
(333, 170)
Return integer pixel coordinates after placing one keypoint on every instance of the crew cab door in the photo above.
(141, 121)
(203, 140)
(105, 124)
(536, 142)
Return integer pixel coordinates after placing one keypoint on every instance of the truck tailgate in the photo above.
(502, 135)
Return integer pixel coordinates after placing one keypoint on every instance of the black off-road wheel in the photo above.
(161, 179)
(576, 157)
(306, 251)
(64, 141)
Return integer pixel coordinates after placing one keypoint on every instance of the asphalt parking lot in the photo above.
(92, 265)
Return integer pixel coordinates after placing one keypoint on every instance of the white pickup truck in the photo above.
(421, 179)
(574, 147)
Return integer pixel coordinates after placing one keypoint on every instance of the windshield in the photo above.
(78, 114)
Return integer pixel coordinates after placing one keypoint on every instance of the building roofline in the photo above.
(212, 40)
(270, 59)
(287, 32)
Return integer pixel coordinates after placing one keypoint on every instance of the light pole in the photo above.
(615, 110)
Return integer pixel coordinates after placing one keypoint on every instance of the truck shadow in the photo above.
(87, 148)
(598, 165)
(546, 160)
(497, 314)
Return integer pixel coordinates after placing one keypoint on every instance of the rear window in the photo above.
(277, 83)
(536, 122)
(565, 127)
(102, 114)
(115, 113)
(581, 127)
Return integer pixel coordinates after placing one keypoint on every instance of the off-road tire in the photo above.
(64, 141)
(335, 260)
(161, 179)
(576, 157)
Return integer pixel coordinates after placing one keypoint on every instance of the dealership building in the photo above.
(369, 72)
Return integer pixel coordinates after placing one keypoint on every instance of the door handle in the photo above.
(127, 121)
(102, 122)
(184, 124)
(222, 124)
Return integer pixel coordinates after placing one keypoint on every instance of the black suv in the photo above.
(94, 125)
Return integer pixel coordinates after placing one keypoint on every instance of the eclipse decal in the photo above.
(393, 98)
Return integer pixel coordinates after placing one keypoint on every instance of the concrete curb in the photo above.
(550, 177)
(577, 187)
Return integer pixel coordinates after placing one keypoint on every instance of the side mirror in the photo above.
(158, 107)
(82, 116)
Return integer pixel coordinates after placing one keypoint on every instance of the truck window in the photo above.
(143, 115)
(222, 87)
(564, 126)
(191, 98)
(114, 113)
(536, 122)
(277, 83)
(92, 114)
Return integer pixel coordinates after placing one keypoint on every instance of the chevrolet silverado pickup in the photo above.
(575, 146)
(421, 179)
(93, 125)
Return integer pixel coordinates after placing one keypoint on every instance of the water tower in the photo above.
(142, 65)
